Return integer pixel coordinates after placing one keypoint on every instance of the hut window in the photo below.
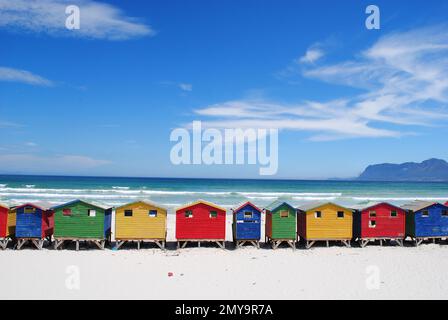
(91, 213)
(247, 215)
(213, 214)
(444, 213)
(318, 214)
(153, 213)
(188, 214)
(66, 212)
(393, 213)
(340, 214)
(372, 214)
(425, 213)
(284, 214)
(29, 210)
(372, 223)
(128, 213)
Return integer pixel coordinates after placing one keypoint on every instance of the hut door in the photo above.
(31, 224)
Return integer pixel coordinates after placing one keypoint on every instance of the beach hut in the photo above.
(34, 223)
(247, 224)
(7, 225)
(426, 220)
(381, 221)
(80, 220)
(325, 222)
(140, 221)
(281, 224)
(200, 221)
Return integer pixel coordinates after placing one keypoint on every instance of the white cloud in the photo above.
(312, 55)
(186, 86)
(32, 163)
(97, 20)
(31, 144)
(405, 84)
(23, 76)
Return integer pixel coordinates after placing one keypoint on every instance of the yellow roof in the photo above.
(199, 202)
(149, 203)
(316, 205)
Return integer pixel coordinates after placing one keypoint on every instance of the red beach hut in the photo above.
(200, 221)
(4, 232)
(382, 221)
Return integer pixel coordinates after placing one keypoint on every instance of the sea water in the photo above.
(172, 192)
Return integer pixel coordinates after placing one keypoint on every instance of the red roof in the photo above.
(382, 204)
(245, 204)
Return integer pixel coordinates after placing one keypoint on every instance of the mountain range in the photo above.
(428, 170)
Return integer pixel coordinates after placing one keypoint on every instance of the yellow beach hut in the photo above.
(140, 221)
(325, 222)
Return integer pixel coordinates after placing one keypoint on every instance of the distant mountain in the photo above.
(428, 170)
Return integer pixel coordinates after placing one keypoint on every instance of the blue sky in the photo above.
(102, 100)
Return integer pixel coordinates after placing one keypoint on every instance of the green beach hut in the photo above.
(281, 224)
(80, 220)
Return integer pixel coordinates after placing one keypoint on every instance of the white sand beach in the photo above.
(208, 273)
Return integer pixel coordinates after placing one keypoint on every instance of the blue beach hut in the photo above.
(426, 220)
(247, 225)
(35, 223)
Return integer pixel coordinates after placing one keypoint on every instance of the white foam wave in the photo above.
(400, 198)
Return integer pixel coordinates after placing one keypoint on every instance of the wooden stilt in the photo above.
(309, 244)
(4, 243)
(328, 243)
(20, 243)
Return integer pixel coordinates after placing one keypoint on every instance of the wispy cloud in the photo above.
(404, 83)
(311, 55)
(186, 86)
(23, 76)
(32, 163)
(97, 20)
(8, 124)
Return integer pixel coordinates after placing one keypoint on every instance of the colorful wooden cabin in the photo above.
(325, 222)
(80, 220)
(426, 220)
(140, 221)
(7, 225)
(200, 221)
(381, 221)
(34, 223)
(247, 225)
(281, 224)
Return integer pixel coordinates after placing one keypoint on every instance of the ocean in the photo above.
(173, 192)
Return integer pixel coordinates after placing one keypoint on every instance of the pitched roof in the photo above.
(95, 204)
(417, 205)
(315, 205)
(242, 205)
(147, 202)
(42, 205)
(4, 205)
(201, 202)
(276, 204)
(370, 206)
